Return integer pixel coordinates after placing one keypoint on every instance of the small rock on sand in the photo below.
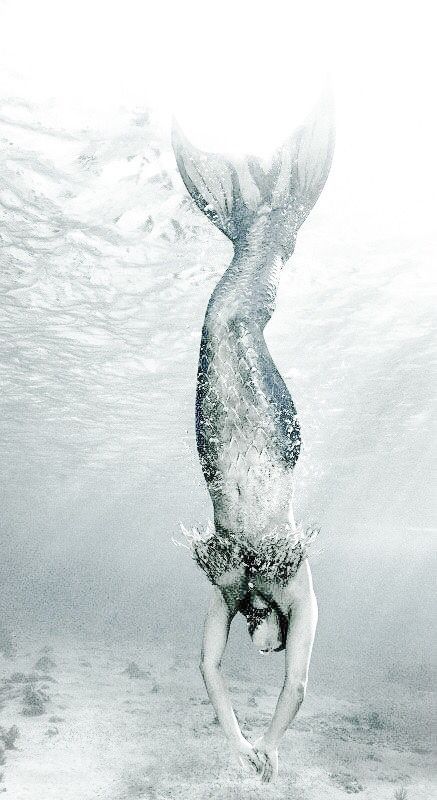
(18, 677)
(45, 664)
(34, 701)
(134, 671)
(251, 701)
(347, 782)
(8, 737)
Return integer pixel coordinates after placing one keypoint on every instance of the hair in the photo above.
(283, 626)
(255, 616)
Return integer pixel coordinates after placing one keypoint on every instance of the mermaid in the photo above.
(247, 431)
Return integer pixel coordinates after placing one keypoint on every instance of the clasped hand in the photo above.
(261, 757)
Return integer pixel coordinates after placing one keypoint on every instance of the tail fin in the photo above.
(234, 192)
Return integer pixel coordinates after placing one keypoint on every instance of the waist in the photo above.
(274, 557)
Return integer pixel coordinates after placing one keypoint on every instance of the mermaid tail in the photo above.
(248, 435)
(233, 193)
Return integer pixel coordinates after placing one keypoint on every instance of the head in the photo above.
(267, 625)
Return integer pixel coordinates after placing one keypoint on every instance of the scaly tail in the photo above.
(234, 193)
(248, 435)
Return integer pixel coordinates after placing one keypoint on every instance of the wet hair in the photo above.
(283, 627)
(255, 616)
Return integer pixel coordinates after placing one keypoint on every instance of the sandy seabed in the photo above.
(104, 720)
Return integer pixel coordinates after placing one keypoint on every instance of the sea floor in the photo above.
(105, 720)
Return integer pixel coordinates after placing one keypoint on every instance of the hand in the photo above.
(268, 754)
(247, 757)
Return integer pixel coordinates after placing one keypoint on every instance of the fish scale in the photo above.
(247, 431)
(248, 434)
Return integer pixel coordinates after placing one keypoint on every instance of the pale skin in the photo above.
(298, 602)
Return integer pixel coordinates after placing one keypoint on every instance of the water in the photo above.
(106, 271)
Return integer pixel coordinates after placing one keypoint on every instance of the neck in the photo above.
(258, 601)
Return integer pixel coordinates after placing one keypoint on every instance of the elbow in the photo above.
(207, 668)
(301, 690)
(296, 690)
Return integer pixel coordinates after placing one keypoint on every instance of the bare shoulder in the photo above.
(299, 591)
(302, 583)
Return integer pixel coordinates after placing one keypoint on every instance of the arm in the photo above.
(300, 637)
(215, 636)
